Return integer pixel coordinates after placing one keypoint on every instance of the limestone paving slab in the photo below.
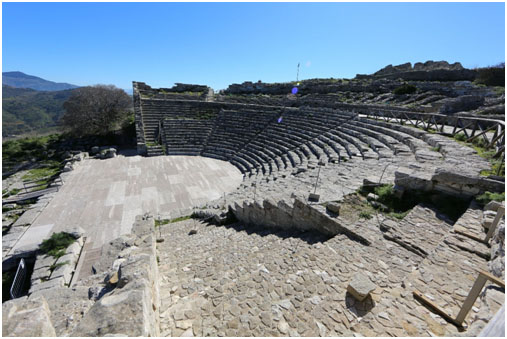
(104, 196)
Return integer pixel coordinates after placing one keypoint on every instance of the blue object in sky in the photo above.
(279, 119)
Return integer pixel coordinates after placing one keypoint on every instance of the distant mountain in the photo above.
(22, 80)
(25, 110)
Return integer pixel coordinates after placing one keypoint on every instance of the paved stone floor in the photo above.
(241, 280)
(104, 196)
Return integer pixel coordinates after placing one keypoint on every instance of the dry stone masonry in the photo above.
(267, 259)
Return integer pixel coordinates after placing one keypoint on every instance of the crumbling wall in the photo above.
(296, 215)
(122, 299)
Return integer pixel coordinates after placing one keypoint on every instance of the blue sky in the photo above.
(222, 43)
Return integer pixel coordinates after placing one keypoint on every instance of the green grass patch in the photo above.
(479, 145)
(55, 266)
(399, 207)
(14, 191)
(40, 173)
(460, 137)
(435, 149)
(170, 221)
(486, 197)
(56, 245)
(365, 215)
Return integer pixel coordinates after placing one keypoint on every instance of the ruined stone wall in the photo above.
(294, 215)
(120, 299)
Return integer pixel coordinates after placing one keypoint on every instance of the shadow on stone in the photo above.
(359, 308)
(311, 237)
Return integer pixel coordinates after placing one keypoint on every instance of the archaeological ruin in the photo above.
(355, 207)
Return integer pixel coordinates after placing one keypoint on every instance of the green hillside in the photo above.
(25, 110)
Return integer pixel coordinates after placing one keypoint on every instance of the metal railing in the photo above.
(19, 280)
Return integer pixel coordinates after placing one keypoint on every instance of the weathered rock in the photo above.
(67, 306)
(372, 196)
(27, 318)
(113, 280)
(487, 219)
(492, 206)
(110, 153)
(56, 282)
(360, 286)
(461, 103)
(95, 150)
(75, 231)
(122, 311)
(333, 207)
(68, 167)
(64, 270)
(314, 197)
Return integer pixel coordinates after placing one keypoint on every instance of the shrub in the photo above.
(460, 137)
(55, 246)
(486, 197)
(491, 76)
(365, 215)
(405, 89)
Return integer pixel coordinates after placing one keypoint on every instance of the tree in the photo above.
(95, 109)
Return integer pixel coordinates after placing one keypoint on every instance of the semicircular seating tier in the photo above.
(263, 139)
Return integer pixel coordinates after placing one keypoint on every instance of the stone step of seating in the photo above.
(385, 141)
(340, 134)
(401, 146)
(254, 165)
(438, 279)
(337, 143)
(315, 149)
(293, 158)
(153, 151)
(411, 137)
(369, 142)
(327, 149)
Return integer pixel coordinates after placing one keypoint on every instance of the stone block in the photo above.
(360, 286)
(68, 167)
(487, 219)
(492, 206)
(67, 306)
(58, 282)
(41, 273)
(314, 197)
(122, 311)
(67, 259)
(372, 196)
(24, 317)
(43, 261)
(333, 207)
(75, 231)
(371, 181)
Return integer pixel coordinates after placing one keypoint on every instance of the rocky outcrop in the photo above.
(462, 103)
(122, 299)
(27, 318)
(132, 307)
(428, 71)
